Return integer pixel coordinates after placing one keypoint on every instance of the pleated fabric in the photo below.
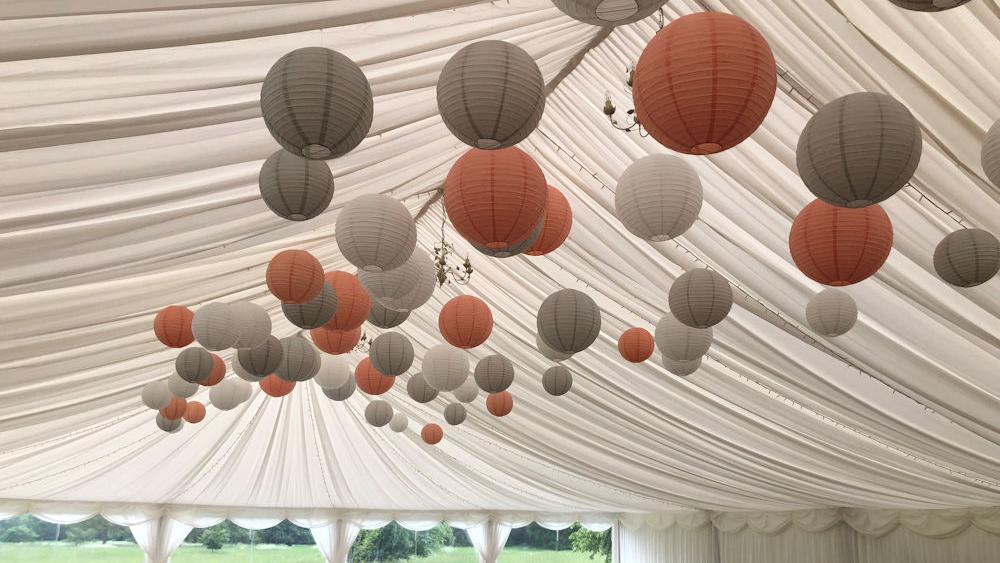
(391, 353)
(700, 298)
(569, 321)
(294, 276)
(556, 224)
(172, 326)
(465, 321)
(376, 233)
(658, 197)
(262, 360)
(293, 187)
(681, 342)
(831, 312)
(968, 257)
(494, 373)
(557, 380)
(370, 380)
(636, 345)
(419, 390)
(608, 12)
(839, 246)
(299, 360)
(353, 302)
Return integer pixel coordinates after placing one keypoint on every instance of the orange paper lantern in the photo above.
(636, 345)
(194, 412)
(275, 386)
(500, 404)
(294, 276)
(353, 302)
(704, 83)
(556, 225)
(335, 341)
(172, 326)
(175, 410)
(838, 245)
(465, 321)
(432, 433)
(218, 372)
(370, 380)
(495, 198)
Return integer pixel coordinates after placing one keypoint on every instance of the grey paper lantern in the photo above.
(215, 327)
(569, 321)
(376, 233)
(494, 373)
(181, 388)
(445, 367)
(967, 258)
(700, 298)
(608, 12)
(831, 312)
(228, 393)
(167, 425)
(491, 94)
(515, 249)
(549, 353)
(317, 103)
(156, 394)
(333, 372)
(557, 380)
(928, 5)
(990, 154)
(454, 414)
(252, 322)
(343, 392)
(466, 392)
(378, 413)
(679, 342)
(262, 360)
(299, 360)
(399, 422)
(658, 197)
(391, 353)
(315, 312)
(405, 288)
(242, 372)
(295, 188)
(418, 389)
(859, 149)
(381, 317)
(682, 368)
(193, 364)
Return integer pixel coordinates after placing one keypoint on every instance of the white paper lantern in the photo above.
(391, 353)
(831, 312)
(466, 392)
(405, 288)
(454, 414)
(700, 298)
(491, 94)
(494, 373)
(549, 352)
(569, 321)
(333, 372)
(418, 389)
(295, 188)
(682, 368)
(194, 364)
(181, 388)
(990, 154)
(608, 12)
(315, 312)
(242, 372)
(262, 360)
(156, 394)
(228, 394)
(445, 367)
(381, 317)
(399, 422)
(378, 413)
(299, 360)
(317, 103)
(214, 326)
(343, 392)
(967, 258)
(677, 341)
(167, 425)
(252, 322)
(557, 380)
(376, 233)
(658, 197)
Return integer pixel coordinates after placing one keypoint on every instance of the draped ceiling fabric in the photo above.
(132, 139)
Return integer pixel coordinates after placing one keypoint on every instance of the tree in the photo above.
(80, 535)
(19, 534)
(596, 544)
(286, 533)
(215, 537)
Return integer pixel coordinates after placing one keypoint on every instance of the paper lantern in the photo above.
(516, 249)
(500, 404)
(333, 372)
(494, 373)
(370, 380)
(928, 5)
(454, 414)
(391, 353)
(465, 321)
(445, 367)
(682, 368)
(557, 380)
(341, 393)
(174, 409)
(556, 224)
(418, 389)
(839, 246)
(275, 386)
(299, 360)
(317, 103)
(168, 425)
(252, 322)
(569, 321)
(405, 288)
(262, 360)
(353, 302)
(700, 298)
(704, 83)
(989, 155)
(194, 364)
(214, 326)
(399, 422)
(172, 326)
(194, 412)
(491, 94)
(335, 341)
(831, 312)
(180, 387)
(228, 394)
(382, 317)
(294, 276)
(156, 395)
(967, 258)
(375, 232)
(313, 313)
(293, 187)
(608, 12)
(549, 352)
(681, 342)
(495, 198)
(466, 392)
(431, 433)
(242, 372)
(378, 413)
(635, 345)
(218, 372)
(658, 197)
(859, 149)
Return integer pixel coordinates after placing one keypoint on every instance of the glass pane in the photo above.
(442, 544)
(534, 544)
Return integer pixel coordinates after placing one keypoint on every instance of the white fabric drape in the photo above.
(335, 539)
(489, 538)
(905, 546)
(670, 545)
(159, 538)
(792, 545)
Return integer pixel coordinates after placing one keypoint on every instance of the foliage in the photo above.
(395, 543)
(215, 537)
(596, 544)
(285, 533)
(19, 534)
(535, 536)
(78, 535)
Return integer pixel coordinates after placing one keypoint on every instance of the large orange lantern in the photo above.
(172, 326)
(636, 345)
(500, 404)
(839, 245)
(432, 433)
(175, 410)
(353, 302)
(370, 380)
(704, 83)
(556, 225)
(275, 386)
(294, 276)
(335, 341)
(465, 321)
(218, 372)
